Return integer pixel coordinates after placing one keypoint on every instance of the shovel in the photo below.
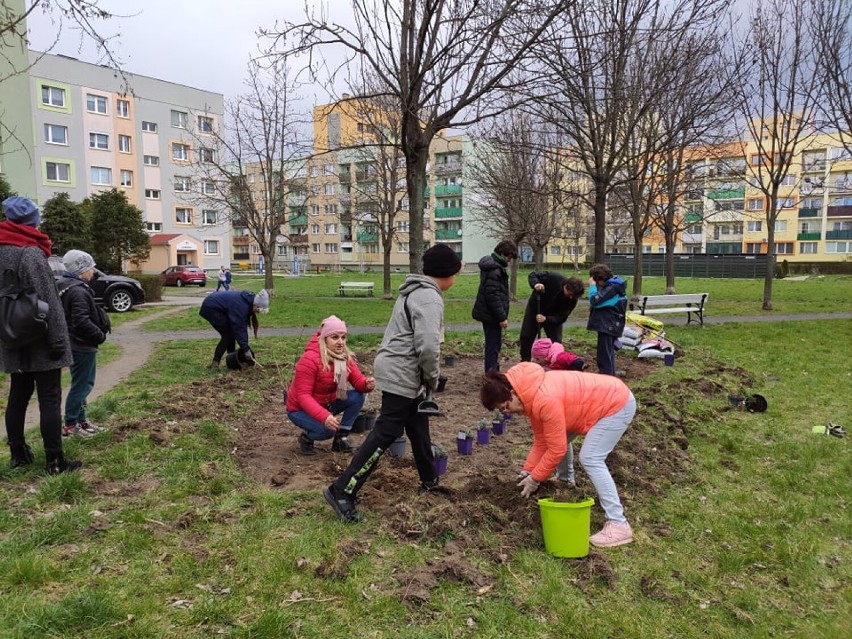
(538, 312)
(428, 406)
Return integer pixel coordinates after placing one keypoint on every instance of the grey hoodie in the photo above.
(410, 351)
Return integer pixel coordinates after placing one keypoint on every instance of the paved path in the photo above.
(137, 345)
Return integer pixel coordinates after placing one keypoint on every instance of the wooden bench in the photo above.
(364, 287)
(689, 303)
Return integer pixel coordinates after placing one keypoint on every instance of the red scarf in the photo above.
(15, 234)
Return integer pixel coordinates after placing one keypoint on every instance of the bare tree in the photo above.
(778, 100)
(832, 32)
(250, 168)
(439, 60)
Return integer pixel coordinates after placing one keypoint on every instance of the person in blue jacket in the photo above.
(230, 313)
(607, 309)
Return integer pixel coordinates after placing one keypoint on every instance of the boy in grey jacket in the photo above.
(407, 361)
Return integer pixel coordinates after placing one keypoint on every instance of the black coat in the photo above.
(87, 322)
(492, 298)
(554, 305)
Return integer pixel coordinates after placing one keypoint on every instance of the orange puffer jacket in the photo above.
(562, 403)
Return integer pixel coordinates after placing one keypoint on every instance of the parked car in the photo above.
(184, 275)
(114, 292)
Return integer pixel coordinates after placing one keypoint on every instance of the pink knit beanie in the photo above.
(332, 324)
(541, 347)
(556, 349)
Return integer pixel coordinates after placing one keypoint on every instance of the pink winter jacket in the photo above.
(313, 389)
(562, 403)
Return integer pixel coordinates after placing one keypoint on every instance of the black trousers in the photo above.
(529, 331)
(398, 415)
(227, 342)
(493, 343)
(606, 354)
(48, 385)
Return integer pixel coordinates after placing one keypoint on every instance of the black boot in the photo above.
(340, 444)
(428, 486)
(21, 456)
(57, 464)
(306, 446)
(342, 504)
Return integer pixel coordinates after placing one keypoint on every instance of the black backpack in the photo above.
(23, 316)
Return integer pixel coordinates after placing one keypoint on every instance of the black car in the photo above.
(114, 292)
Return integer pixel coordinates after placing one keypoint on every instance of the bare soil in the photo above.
(478, 512)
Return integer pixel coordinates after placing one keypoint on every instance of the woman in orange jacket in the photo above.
(562, 405)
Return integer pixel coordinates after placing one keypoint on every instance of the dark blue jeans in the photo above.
(83, 370)
(315, 431)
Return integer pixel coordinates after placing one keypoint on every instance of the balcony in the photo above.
(367, 238)
(345, 199)
(346, 237)
(839, 235)
(346, 217)
(445, 213)
(809, 237)
(365, 176)
(240, 240)
(448, 234)
(692, 238)
(445, 190)
(299, 239)
(449, 167)
(726, 194)
(298, 220)
(840, 211)
(343, 175)
(814, 166)
(808, 212)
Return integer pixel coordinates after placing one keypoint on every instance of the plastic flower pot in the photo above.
(449, 360)
(369, 421)
(669, 359)
(398, 447)
(237, 361)
(483, 436)
(465, 446)
(565, 527)
(440, 464)
(442, 384)
(358, 424)
(498, 427)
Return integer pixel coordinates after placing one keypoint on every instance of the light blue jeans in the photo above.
(597, 445)
(315, 431)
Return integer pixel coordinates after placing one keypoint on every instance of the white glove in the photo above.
(528, 485)
(523, 474)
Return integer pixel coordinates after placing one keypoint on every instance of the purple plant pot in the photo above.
(483, 436)
(465, 446)
(498, 426)
(440, 464)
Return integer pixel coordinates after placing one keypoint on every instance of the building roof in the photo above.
(163, 238)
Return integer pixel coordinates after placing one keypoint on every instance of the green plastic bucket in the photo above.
(565, 526)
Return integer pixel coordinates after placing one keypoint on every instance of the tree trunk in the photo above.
(268, 284)
(416, 159)
(600, 223)
(637, 266)
(386, 276)
(670, 276)
(770, 254)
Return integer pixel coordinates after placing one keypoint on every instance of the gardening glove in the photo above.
(248, 355)
(528, 485)
(523, 474)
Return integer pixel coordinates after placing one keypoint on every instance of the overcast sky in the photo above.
(200, 43)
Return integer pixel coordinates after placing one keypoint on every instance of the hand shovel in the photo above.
(428, 406)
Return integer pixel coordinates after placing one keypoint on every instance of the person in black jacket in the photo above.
(552, 300)
(230, 313)
(88, 325)
(492, 300)
(36, 366)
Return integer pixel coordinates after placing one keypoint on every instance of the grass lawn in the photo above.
(168, 538)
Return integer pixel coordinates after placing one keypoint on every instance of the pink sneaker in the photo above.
(612, 534)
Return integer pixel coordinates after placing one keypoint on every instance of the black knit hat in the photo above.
(441, 261)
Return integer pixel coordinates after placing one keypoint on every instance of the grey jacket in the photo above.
(409, 355)
(54, 351)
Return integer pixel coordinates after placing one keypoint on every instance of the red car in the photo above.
(183, 276)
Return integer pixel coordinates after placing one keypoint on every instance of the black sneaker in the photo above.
(59, 466)
(341, 444)
(22, 456)
(306, 446)
(427, 486)
(343, 505)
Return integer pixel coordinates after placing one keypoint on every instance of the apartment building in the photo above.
(94, 129)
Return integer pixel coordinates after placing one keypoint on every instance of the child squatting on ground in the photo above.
(407, 362)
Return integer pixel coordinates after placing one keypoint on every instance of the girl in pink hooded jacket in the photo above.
(563, 404)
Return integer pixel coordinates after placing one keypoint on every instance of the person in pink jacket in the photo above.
(563, 404)
(327, 382)
(553, 355)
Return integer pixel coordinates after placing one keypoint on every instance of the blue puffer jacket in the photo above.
(229, 311)
(608, 306)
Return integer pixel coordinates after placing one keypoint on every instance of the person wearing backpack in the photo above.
(37, 366)
(88, 325)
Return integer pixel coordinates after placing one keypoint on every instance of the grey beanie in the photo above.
(78, 261)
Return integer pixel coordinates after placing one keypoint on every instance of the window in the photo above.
(786, 203)
(331, 228)
(183, 184)
(183, 216)
(152, 194)
(783, 248)
(52, 96)
(124, 143)
(122, 108)
(755, 205)
(315, 248)
(207, 187)
(149, 127)
(153, 227)
(205, 124)
(331, 248)
(402, 226)
(180, 151)
(126, 178)
(838, 247)
(754, 227)
(328, 169)
(331, 209)
(780, 226)
(841, 226)
(98, 141)
(206, 155)
(211, 247)
(315, 229)
(208, 217)
(314, 209)
(554, 250)
(58, 171)
(96, 104)
(753, 248)
(790, 180)
(179, 119)
(314, 171)
(101, 175)
(807, 248)
(812, 203)
(403, 204)
(330, 188)
(151, 160)
(55, 134)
